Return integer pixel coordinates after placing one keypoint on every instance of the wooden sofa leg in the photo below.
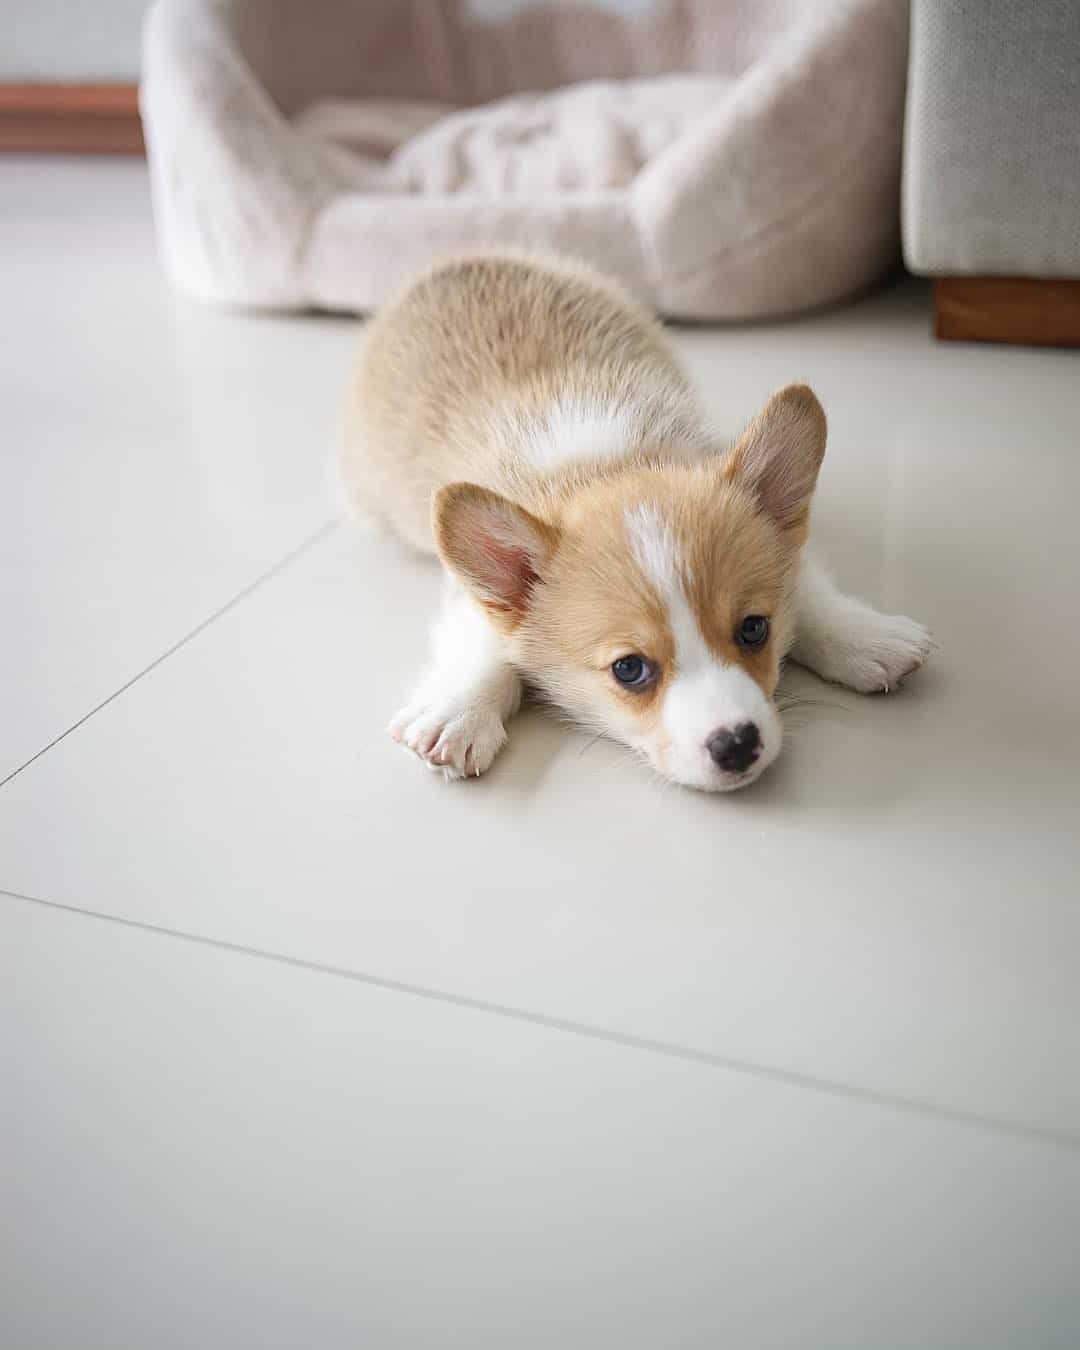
(1022, 310)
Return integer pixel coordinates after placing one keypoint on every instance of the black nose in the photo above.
(734, 751)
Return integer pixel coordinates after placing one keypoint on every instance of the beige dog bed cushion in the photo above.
(728, 159)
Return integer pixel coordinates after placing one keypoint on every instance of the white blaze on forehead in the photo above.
(656, 551)
(705, 693)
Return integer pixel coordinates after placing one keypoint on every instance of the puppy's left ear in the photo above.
(497, 548)
(779, 454)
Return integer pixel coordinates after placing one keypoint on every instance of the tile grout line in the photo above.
(201, 627)
(624, 1040)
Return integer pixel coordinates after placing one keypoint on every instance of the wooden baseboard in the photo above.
(101, 119)
(1022, 310)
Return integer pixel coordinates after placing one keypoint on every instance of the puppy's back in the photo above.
(456, 374)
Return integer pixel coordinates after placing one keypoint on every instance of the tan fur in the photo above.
(453, 371)
(596, 605)
(453, 381)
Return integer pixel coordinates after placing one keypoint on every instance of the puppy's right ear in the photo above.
(497, 548)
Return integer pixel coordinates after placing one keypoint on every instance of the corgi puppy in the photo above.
(525, 418)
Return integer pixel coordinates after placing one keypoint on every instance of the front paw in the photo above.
(461, 741)
(875, 653)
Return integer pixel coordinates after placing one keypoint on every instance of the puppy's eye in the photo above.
(633, 671)
(753, 631)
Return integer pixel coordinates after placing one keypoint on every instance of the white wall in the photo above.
(75, 40)
(90, 40)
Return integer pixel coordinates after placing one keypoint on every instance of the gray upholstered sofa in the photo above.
(991, 178)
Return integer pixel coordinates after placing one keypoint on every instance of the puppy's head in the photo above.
(654, 605)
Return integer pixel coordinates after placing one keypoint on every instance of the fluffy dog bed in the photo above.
(726, 158)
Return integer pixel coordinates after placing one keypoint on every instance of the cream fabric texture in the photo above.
(726, 158)
(992, 154)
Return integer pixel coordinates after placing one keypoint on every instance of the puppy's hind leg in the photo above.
(845, 640)
(456, 720)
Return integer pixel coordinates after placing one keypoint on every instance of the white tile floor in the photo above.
(555, 1058)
